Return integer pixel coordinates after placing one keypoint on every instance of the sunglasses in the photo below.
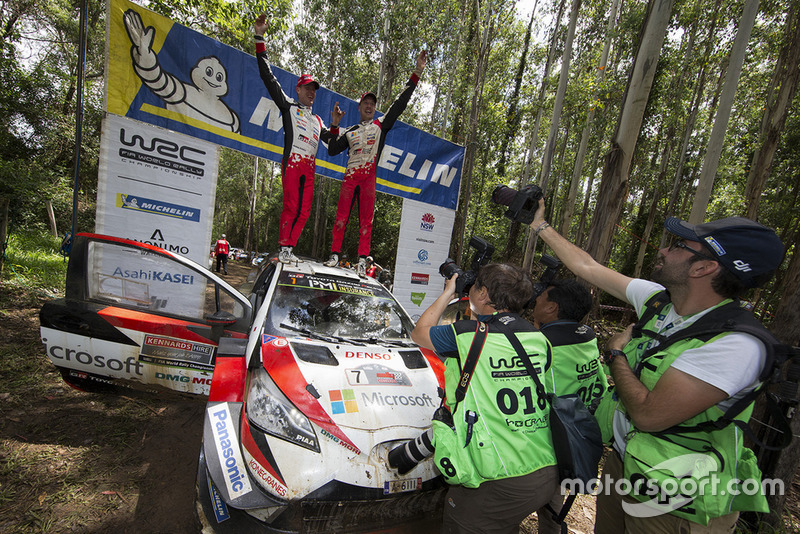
(680, 243)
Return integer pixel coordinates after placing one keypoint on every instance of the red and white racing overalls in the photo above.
(365, 141)
(302, 132)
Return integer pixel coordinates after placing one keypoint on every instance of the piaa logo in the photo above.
(428, 221)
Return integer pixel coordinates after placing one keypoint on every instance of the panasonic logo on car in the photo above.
(230, 457)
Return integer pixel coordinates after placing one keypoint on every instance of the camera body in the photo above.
(552, 265)
(522, 204)
(482, 256)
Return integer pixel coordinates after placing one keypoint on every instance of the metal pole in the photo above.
(67, 243)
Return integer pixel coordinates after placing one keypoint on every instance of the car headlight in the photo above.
(271, 411)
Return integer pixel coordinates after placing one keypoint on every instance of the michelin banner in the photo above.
(168, 75)
(157, 187)
(424, 244)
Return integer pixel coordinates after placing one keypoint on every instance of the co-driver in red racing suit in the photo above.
(303, 131)
(365, 142)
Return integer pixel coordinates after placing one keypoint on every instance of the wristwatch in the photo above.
(610, 354)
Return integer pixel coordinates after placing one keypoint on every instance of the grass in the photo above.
(33, 262)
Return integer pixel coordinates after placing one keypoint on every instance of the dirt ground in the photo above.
(77, 462)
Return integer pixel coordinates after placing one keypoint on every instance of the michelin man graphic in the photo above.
(202, 99)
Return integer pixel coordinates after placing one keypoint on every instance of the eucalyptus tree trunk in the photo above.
(472, 144)
(51, 217)
(252, 206)
(779, 100)
(614, 184)
(534, 138)
(584, 144)
(513, 116)
(587, 200)
(657, 194)
(452, 74)
(698, 91)
(786, 326)
(558, 105)
(714, 149)
(4, 203)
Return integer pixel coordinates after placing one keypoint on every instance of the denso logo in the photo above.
(367, 355)
(131, 365)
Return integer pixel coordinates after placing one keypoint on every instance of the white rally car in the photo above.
(310, 375)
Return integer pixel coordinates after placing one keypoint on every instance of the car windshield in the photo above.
(331, 307)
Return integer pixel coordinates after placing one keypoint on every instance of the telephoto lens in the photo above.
(405, 457)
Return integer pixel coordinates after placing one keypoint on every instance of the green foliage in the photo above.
(33, 262)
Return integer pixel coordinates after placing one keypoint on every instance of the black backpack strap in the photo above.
(523, 356)
(559, 517)
(478, 341)
(732, 317)
(653, 306)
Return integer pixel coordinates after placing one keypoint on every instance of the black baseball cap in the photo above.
(751, 251)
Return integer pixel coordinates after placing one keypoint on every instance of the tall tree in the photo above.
(777, 103)
(714, 149)
(584, 143)
(614, 184)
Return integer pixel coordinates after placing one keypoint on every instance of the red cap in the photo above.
(306, 79)
(368, 93)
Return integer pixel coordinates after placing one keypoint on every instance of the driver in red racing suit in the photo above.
(302, 133)
(365, 142)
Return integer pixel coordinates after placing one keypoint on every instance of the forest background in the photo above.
(625, 112)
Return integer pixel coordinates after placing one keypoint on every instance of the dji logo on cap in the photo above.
(741, 266)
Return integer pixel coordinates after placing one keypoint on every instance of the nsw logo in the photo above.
(417, 298)
(428, 222)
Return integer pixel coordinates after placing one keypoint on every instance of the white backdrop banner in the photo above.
(157, 187)
(423, 246)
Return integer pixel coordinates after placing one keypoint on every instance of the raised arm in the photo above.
(578, 260)
(338, 143)
(400, 104)
(430, 317)
(270, 82)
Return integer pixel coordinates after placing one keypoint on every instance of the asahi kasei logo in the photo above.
(427, 223)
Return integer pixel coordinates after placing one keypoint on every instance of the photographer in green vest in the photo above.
(665, 475)
(496, 450)
(557, 313)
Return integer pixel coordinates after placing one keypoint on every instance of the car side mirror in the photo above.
(218, 321)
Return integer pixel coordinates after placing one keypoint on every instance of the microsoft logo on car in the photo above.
(343, 401)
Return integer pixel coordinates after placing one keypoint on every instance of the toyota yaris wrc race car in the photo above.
(310, 375)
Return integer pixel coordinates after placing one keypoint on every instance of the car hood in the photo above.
(366, 387)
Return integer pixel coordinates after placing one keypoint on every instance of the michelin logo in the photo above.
(156, 207)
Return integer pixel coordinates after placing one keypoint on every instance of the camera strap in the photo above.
(478, 341)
